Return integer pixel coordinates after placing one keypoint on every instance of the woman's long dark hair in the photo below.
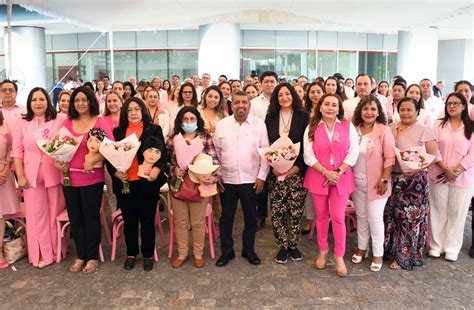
(274, 107)
(194, 100)
(146, 118)
(466, 120)
(308, 104)
(357, 118)
(50, 112)
(91, 99)
(179, 120)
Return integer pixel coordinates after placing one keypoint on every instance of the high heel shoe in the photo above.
(357, 259)
(322, 260)
(341, 269)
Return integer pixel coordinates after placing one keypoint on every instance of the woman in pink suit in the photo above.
(40, 181)
(330, 149)
(9, 203)
(372, 177)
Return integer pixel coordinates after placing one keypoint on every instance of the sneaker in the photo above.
(295, 255)
(282, 256)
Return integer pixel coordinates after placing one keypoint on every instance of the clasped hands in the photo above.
(332, 177)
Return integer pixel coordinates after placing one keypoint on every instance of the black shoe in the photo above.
(305, 231)
(282, 256)
(129, 263)
(252, 258)
(225, 259)
(147, 263)
(295, 254)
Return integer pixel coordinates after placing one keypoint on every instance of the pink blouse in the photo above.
(113, 124)
(454, 149)
(77, 176)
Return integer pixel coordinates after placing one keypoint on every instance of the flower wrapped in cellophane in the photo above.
(185, 151)
(61, 147)
(120, 154)
(413, 159)
(281, 155)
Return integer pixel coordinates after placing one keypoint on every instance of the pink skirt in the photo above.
(9, 203)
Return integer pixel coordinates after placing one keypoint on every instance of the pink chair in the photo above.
(350, 219)
(210, 229)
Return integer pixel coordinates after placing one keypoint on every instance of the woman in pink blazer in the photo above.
(372, 177)
(330, 149)
(40, 181)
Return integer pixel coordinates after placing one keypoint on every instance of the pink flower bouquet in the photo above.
(61, 147)
(413, 159)
(185, 153)
(281, 155)
(120, 154)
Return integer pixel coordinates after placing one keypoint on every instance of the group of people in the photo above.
(349, 134)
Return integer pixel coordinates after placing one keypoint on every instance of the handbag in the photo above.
(15, 249)
(188, 191)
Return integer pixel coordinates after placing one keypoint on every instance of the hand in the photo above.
(332, 177)
(3, 179)
(122, 176)
(381, 188)
(23, 182)
(179, 172)
(64, 167)
(451, 174)
(88, 166)
(208, 179)
(258, 186)
(292, 171)
(153, 174)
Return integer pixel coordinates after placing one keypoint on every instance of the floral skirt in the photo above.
(406, 219)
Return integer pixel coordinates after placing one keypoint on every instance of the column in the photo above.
(219, 50)
(28, 56)
(417, 56)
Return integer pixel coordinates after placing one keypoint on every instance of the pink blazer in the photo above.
(323, 149)
(380, 154)
(24, 146)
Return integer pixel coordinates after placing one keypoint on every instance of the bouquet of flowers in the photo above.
(281, 155)
(120, 154)
(61, 147)
(413, 159)
(185, 153)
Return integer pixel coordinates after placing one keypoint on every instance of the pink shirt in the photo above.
(79, 178)
(113, 124)
(24, 146)
(454, 149)
(13, 114)
(236, 146)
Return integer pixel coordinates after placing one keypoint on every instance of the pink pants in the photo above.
(42, 205)
(334, 205)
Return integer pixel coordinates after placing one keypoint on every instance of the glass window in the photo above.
(326, 63)
(391, 65)
(93, 66)
(347, 64)
(2, 63)
(257, 61)
(49, 70)
(291, 64)
(125, 65)
(62, 63)
(312, 73)
(151, 64)
(183, 63)
(373, 63)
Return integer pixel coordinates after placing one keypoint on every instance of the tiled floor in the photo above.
(439, 284)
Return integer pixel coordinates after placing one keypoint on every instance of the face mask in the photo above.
(189, 127)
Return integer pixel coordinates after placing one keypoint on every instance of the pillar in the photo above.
(28, 57)
(219, 50)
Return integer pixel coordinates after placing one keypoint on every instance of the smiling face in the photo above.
(114, 104)
(414, 92)
(134, 113)
(251, 92)
(329, 108)
(370, 113)
(408, 113)
(285, 100)
(225, 89)
(300, 91)
(64, 103)
(212, 99)
(151, 155)
(240, 108)
(331, 86)
(39, 104)
(81, 104)
(236, 86)
(315, 93)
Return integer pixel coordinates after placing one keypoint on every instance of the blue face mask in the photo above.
(189, 127)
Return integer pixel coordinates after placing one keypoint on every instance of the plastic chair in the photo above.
(210, 229)
(350, 220)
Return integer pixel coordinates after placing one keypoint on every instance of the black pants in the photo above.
(83, 208)
(472, 223)
(262, 202)
(139, 207)
(248, 200)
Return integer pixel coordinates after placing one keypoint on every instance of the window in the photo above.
(373, 63)
(347, 64)
(63, 62)
(326, 63)
(151, 64)
(2, 64)
(291, 64)
(312, 60)
(93, 66)
(257, 61)
(49, 70)
(125, 65)
(183, 63)
(391, 65)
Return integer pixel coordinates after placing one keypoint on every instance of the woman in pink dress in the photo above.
(9, 203)
(37, 176)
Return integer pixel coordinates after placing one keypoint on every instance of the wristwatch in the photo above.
(385, 181)
(338, 171)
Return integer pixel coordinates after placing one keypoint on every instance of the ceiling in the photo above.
(453, 18)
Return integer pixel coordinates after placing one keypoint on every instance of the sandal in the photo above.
(91, 267)
(341, 269)
(4, 264)
(395, 266)
(375, 267)
(77, 265)
(357, 259)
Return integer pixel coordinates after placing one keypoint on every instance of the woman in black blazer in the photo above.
(285, 117)
(139, 206)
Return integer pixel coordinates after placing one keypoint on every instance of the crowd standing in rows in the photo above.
(350, 131)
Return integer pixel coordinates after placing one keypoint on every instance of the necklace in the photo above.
(286, 125)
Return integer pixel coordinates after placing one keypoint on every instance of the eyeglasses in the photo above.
(454, 104)
(8, 90)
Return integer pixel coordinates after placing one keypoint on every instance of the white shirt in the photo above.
(163, 97)
(352, 154)
(434, 107)
(236, 146)
(259, 107)
(350, 105)
(349, 92)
